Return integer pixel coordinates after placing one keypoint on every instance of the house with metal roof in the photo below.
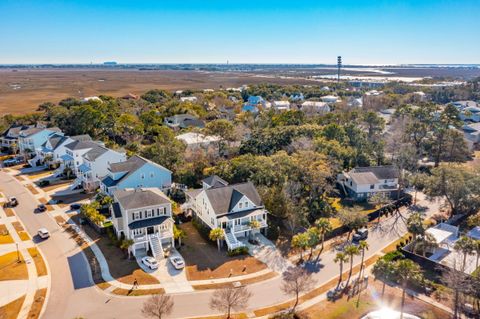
(89, 161)
(135, 172)
(143, 215)
(360, 183)
(232, 208)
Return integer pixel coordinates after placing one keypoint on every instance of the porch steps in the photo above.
(156, 246)
(232, 241)
(75, 184)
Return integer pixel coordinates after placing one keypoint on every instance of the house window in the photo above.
(240, 205)
(152, 175)
(372, 186)
(351, 183)
(143, 176)
(158, 211)
(213, 223)
(386, 181)
(149, 214)
(246, 204)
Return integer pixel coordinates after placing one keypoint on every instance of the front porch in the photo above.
(240, 224)
(154, 237)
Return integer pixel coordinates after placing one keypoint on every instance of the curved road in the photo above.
(72, 293)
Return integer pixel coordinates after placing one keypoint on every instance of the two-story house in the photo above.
(229, 207)
(9, 138)
(360, 183)
(134, 173)
(31, 140)
(143, 215)
(90, 161)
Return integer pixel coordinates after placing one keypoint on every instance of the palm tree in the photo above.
(178, 234)
(406, 270)
(125, 245)
(467, 246)
(415, 227)
(350, 251)
(313, 239)
(254, 225)
(477, 251)
(217, 234)
(300, 241)
(382, 269)
(362, 246)
(324, 226)
(340, 258)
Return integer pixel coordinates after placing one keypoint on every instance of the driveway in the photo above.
(173, 280)
(267, 253)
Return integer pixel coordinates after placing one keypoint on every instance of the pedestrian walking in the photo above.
(135, 284)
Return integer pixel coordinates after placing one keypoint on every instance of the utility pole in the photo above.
(339, 65)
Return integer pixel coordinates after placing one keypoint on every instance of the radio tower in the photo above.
(339, 66)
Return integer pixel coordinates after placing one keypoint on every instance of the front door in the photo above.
(150, 230)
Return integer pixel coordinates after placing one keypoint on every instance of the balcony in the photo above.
(246, 227)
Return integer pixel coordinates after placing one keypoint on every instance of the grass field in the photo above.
(53, 85)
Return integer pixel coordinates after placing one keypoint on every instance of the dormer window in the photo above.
(152, 174)
(240, 205)
(143, 176)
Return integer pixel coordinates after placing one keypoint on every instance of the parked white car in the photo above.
(150, 262)
(43, 233)
(177, 262)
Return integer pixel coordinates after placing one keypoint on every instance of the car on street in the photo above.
(150, 262)
(41, 208)
(361, 234)
(12, 202)
(75, 206)
(177, 262)
(43, 233)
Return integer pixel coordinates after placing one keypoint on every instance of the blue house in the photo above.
(252, 104)
(136, 172)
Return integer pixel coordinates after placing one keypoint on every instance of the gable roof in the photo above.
(56, 140)
(138, 198)
(223, 199)
(372, 174)
(214, 181)
(95, 152)
(130, 166)
(80, 145)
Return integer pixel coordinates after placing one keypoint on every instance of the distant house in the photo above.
(470, 113)
(229, 207)
(360, 183)
(355, 102)
(135, 172)
(296, 97)
(181, 121)
(197, 141)
(461, 105)
(281, 105)
(31, 140)
(130, 96)
(471, 133)
(419, 96)
(253, 103)
(315, 107)
(330, 99)
(143, 215)
(91, 98)
(89, 161)
(192, 99)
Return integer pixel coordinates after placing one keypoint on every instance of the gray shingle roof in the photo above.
(95, 152)
(214, 181)
(81, 138)
(56, 140)
(371, 175)
(80, 145)
(130, 166)
(223, 199)
(138, 198)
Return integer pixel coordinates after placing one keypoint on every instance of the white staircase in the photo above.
(77, 182)
(232, 241)
(58, 172)
(156, 246)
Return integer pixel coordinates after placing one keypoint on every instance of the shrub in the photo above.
(393, 255)
(238, 251)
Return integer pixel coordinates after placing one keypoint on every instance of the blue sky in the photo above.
(261, 31)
